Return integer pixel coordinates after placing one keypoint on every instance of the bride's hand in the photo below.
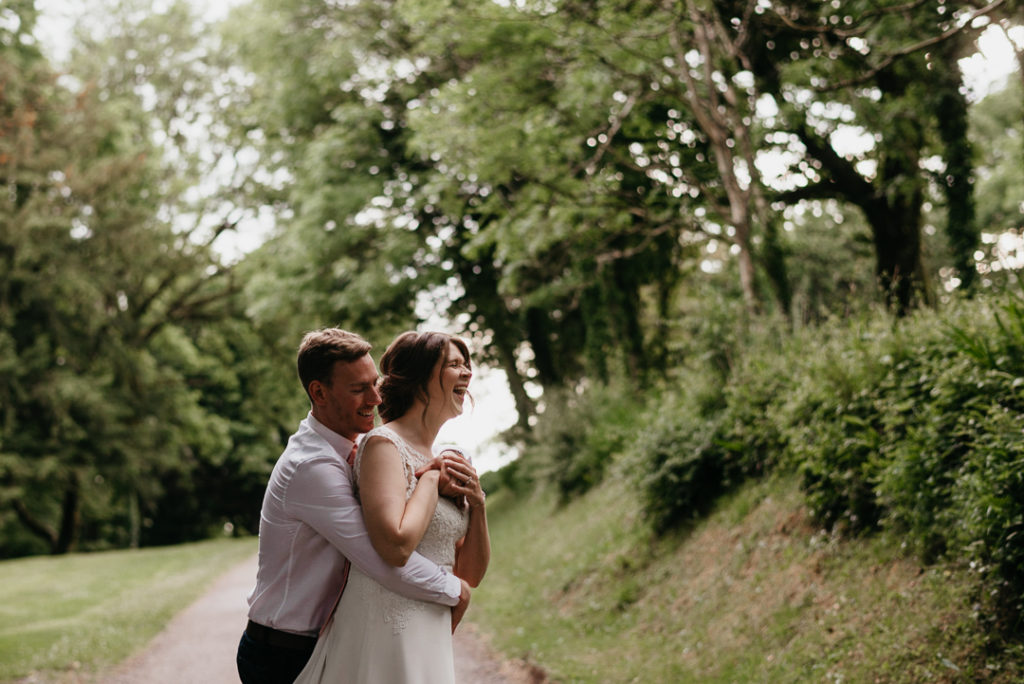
(462, 478)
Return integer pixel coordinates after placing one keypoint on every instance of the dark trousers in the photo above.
(263, 663)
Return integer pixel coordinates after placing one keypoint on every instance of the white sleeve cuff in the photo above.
(452, 589)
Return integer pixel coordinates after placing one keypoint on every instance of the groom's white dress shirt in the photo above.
(309, 524)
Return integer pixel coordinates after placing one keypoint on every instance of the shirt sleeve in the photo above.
(320, 495)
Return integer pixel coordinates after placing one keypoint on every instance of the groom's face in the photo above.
(347, 403)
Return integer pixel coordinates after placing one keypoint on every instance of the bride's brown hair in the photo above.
(406, 367)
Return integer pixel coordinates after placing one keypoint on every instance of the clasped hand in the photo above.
(458, 477)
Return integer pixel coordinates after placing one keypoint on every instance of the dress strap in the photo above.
(411, 458)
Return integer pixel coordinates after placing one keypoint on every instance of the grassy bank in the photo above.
(752, 593)
(89, 611)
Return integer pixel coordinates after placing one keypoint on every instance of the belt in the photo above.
(275, 637)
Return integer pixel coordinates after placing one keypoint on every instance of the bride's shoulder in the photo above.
(385, 443)
(380, 430)
(383, 435)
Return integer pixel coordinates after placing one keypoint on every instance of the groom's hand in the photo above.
(459, 609)
(438, 463)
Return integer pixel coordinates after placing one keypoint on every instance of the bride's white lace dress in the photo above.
(376, 635)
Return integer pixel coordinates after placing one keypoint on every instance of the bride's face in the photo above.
(449, 382)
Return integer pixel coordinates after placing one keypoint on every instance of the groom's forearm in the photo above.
(424, 580)
(330, 508)
(420, 578)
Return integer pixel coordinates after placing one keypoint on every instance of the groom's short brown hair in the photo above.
(321, 349)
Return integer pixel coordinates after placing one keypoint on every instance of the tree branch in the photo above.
(910, 49)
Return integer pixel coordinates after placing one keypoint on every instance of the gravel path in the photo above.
(198, 645)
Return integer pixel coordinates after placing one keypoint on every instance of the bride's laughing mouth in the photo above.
(459, 393)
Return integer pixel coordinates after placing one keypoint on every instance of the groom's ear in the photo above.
(317, 392)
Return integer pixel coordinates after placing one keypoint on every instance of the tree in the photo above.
(538, 138)
(997, 134)
(108, 313)
(365, 237)
(868, 70)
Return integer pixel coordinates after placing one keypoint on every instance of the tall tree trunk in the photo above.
(896, 232)
(59, 540)
(525, 406)
(480, 280)
(134, 520)
(70, 515)
(773, 258)
(537, 325)
(956, 182)
(631, 333)
(893, 213)
(597, 337)
(719, 117)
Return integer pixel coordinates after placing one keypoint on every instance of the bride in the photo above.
(376, 635)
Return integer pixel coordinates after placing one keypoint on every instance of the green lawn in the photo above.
(92, 610)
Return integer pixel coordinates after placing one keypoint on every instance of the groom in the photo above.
(311, 522)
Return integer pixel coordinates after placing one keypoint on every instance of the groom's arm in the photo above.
(321, 496)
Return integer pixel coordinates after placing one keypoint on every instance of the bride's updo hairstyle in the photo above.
(406, 367)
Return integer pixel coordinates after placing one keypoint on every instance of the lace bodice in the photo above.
(449, 523)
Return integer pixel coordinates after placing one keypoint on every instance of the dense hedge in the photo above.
(914, 428)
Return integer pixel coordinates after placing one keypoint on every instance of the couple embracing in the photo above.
(398, 532)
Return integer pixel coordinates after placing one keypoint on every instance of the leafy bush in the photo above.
(917, 430)
(684, 469)
(913, 427)
(833, 428)
(705, 440)
(748, 425)
(989, 510)
(513, 477)
(579, 433)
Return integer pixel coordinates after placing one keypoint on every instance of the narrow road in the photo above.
(198, 645)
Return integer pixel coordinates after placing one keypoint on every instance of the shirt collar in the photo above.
(341, 444)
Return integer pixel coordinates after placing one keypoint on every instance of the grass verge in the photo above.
(752, 593)
(93, 610)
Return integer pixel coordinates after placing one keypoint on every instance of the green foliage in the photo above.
(551, 180)
(579, 433)
(552, 176)
(907, 430)
(126, 382)
(685, 469)
(752, 593)
(513, 478)
(703, 439)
